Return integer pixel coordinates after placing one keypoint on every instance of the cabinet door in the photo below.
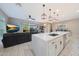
(66, 38)
(55, 47)
(59, 45)
(52, 49)
(61, 42)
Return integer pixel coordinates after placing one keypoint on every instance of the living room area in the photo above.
(15, 33)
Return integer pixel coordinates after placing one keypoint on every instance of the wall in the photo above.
(3, 19)
(72, 25)
(16, 21)
(3, 14)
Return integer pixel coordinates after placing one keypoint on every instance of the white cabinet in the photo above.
(52, 48)
(66, 38)
(59, 43)
(45, 45)
(56, 46)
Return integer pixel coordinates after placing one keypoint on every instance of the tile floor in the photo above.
(71, 49)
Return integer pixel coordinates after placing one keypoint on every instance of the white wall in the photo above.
(73, 26)
(3, 14)
(3, 18)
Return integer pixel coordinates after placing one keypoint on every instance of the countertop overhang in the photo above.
(47, 37)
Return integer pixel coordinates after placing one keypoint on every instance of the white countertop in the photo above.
(47, 37)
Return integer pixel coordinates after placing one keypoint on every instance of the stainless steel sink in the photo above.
(53, 34)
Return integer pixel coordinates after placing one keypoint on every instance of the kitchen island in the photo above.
(49, 44)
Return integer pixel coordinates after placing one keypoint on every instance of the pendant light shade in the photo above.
(43, 16)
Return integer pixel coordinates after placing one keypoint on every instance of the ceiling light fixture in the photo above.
(43, 16)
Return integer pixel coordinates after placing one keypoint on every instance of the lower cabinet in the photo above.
(66, 38)
(48, 48)
(59, 43)
(52, 48)
(55, 47)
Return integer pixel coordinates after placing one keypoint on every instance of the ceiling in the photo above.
(66, 11)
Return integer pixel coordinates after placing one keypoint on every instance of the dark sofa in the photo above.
(11, 39)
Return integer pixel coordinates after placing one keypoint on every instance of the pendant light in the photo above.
(43, 16)
(50, 15)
